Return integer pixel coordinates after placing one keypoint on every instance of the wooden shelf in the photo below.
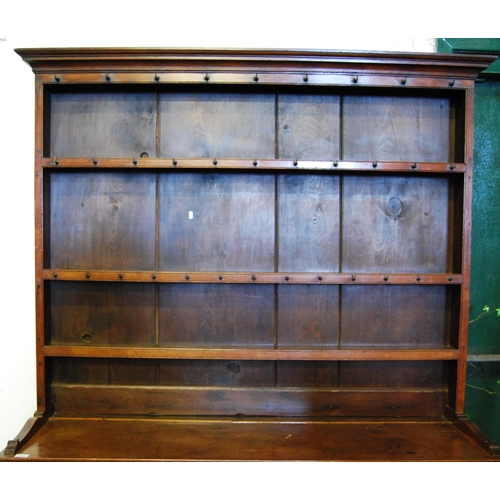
(253, 277)
(254, 164)
(194, 439)
(233, 353)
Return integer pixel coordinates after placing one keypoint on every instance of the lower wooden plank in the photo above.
(71, 399)
(369, 353)
(65, 439)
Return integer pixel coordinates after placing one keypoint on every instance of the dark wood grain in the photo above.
(74, 370)
(108, 125)
(375, 315)
(307, 374)
(223, 373)
(397, 129)
(102, 313)
(309, 126)
(133, 371)
(102, 221)
(394, 374)
(217, 125)
(217, 315)
(308, 316)
(217, 222)
(415, 239)
(79, 371)
(100, 400)
(308, 222)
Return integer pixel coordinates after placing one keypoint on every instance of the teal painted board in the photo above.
(482, 45)
(484, 334)
(482, 397)
(479, 45)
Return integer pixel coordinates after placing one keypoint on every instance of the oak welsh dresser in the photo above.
(252, 255)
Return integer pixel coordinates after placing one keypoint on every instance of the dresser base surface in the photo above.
(103, 439)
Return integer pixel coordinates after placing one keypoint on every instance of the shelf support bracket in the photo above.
(31, 427)
(470, 429)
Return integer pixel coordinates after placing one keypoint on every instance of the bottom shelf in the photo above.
(152, 439)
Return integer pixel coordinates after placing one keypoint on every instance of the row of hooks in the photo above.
(256, 78)
(254, 277)
(255, 162)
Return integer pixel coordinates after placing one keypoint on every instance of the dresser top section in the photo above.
(81, 60)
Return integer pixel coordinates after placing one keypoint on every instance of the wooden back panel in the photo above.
(106, 124)
(217, 123)
(216, 222)
(395, 224)
(397, 129)
(101, 220)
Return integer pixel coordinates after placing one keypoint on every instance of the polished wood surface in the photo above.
(370, 353)
(221, 440)
(91, 400)
(253, 164)
(421, 66)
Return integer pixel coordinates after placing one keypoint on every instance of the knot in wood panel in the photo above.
(394, 207)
